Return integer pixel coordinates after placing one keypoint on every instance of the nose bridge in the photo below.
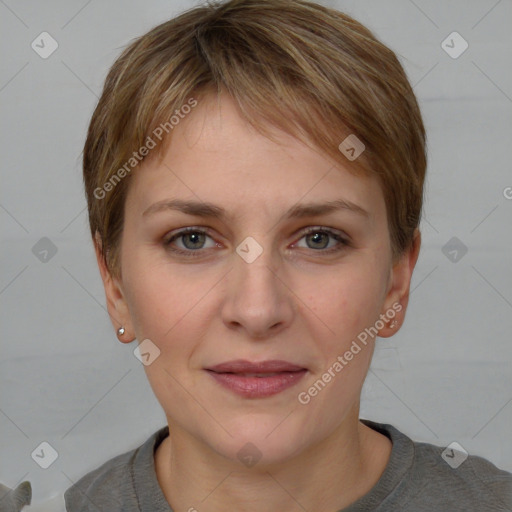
(256, 269)
(256, 297)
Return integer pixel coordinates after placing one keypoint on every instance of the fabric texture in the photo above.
(416, 479)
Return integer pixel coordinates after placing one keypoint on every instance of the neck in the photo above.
(326, 476)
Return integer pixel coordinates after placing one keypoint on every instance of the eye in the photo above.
(317, 238)
(193, 241)
(192, 238)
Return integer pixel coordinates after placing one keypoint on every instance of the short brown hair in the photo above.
(312, 71)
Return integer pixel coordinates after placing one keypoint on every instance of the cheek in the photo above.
(165, 308)
(348, 301)
(162, 307)
(160, 296)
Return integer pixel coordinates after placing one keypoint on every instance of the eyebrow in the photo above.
(209, 210)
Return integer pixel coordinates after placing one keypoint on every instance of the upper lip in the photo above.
(244, 366)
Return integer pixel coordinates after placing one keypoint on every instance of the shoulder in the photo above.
(423, 477)
(453, 476)
(109, 487)
(112, 486)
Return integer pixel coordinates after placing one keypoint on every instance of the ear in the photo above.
(397, 296)
(116, 302)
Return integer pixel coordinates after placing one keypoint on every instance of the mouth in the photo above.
(257, 380)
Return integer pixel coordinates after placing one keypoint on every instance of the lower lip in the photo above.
(257, 387)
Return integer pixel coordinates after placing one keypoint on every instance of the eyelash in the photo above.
(343, 243)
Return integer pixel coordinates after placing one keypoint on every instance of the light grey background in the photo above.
(65, 379)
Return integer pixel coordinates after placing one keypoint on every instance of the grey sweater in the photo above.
(419, 477)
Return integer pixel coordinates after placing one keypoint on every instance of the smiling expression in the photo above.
(322, 273)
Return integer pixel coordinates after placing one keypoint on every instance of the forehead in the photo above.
(214, 155)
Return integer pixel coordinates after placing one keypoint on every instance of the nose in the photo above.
(257, 298)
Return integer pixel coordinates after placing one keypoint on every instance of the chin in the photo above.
(259, 440)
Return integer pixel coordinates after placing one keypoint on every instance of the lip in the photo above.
(233, 376)
(244, 366)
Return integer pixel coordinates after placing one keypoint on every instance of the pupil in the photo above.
(196, 238)
(316, 237)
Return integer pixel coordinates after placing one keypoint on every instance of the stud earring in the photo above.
(120, 331)
(393, 324)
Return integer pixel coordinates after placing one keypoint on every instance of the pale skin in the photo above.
(295, 302)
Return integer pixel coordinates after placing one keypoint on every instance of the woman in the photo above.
(254, 173)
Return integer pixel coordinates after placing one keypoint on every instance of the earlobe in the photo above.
(397, 297)
(116, 303)
(121, 335)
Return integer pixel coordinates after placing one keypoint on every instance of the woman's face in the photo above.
(249, 283)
